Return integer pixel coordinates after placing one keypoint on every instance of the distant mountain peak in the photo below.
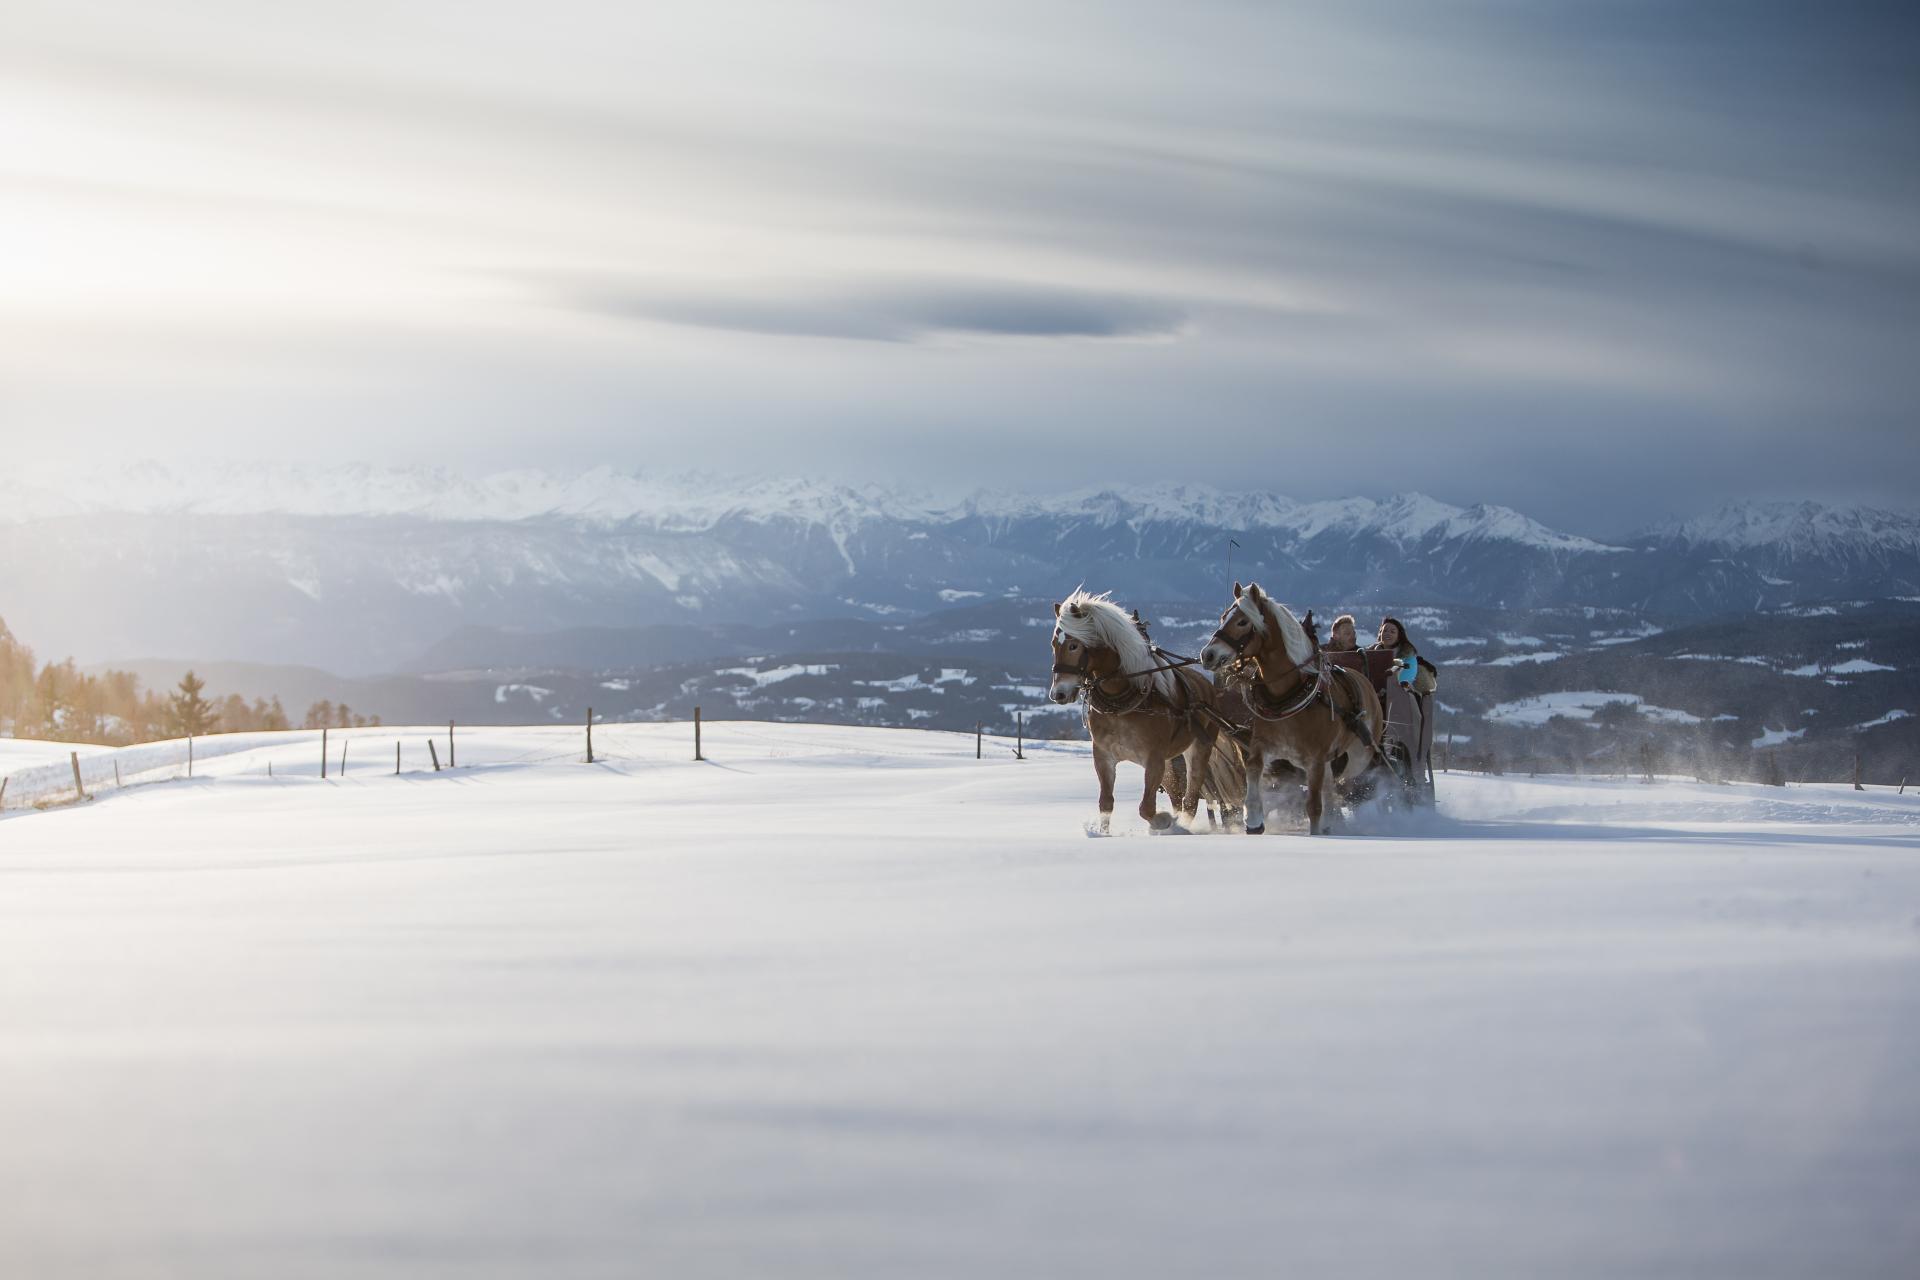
(1801, 527)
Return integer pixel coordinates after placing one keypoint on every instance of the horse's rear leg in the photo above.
(1103, 769)
(1196, 759)
(1176, 781)
(1316, 797)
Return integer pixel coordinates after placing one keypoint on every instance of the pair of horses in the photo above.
(1148, 707)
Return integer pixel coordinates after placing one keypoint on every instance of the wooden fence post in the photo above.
(396, 757)
(3, 793)
(323, 753)
(977, 740)
(1856, 772)
(116, 773)
(343, 757)
(450, 760)
(189, 755)
(1446, 761)
(1019, 736)
(434, 751)
(696, 735)
(589, 735)
(77, 784)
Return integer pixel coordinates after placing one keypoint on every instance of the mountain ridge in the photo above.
(360, 568)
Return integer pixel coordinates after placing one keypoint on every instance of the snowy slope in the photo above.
(849, 1003)
(27, 753)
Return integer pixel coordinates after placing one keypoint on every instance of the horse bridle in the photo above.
(1084, 671)
(1257, 692)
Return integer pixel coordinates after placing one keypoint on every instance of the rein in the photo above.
(1268, 706)
(1123, 704)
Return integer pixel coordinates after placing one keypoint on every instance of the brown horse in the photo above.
(1140, 710)
(1323, 719)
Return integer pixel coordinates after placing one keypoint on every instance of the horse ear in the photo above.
(1136, 615)
(1253, 589)
(1236, 589)
(1056, 608)
(1308, 623)
(1076, 611)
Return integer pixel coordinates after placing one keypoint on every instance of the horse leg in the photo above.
(1256, 800)
(1156, 768)
(1197, 757)
(1316, 788)
(1103, 769)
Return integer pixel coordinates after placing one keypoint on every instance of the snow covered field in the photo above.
(846, 1002)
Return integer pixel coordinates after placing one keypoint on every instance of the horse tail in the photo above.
(1226, 774)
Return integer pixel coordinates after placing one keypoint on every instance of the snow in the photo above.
(1888, 718)
(1778, 737)
(1408, 519)
(1579, 705)
(1799, 529)
(774, 675)
(1517, 659)
(1851, 667)
(849, 1003)
(692, 502)
(27, 753)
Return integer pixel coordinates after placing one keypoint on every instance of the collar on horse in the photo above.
(1267, 705)
(1136, 696)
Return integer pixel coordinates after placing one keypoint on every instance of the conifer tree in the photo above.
(190, 714)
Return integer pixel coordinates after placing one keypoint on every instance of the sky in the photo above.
(1601, 261)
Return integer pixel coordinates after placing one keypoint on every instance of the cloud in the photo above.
(1510, 253)
(892, 311)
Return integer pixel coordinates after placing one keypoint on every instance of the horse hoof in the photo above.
(1160, 821)
(1256, 831)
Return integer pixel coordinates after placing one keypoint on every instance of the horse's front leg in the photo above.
(1103, 769)
(1156, 767)
(1256, 790)
(1316, 796)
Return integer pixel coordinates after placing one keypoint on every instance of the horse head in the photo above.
(1072, 658)
(1088, 635)
(1244, 624)
(1260, 628)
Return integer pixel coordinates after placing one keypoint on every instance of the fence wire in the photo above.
(37, 786)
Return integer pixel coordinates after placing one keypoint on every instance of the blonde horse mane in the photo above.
(1098, 623)
(1254, 604)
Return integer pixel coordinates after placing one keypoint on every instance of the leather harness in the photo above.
(1271, 707)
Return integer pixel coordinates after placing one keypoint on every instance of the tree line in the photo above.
(58, 701)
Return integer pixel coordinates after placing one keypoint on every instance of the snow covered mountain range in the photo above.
(359, 568)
